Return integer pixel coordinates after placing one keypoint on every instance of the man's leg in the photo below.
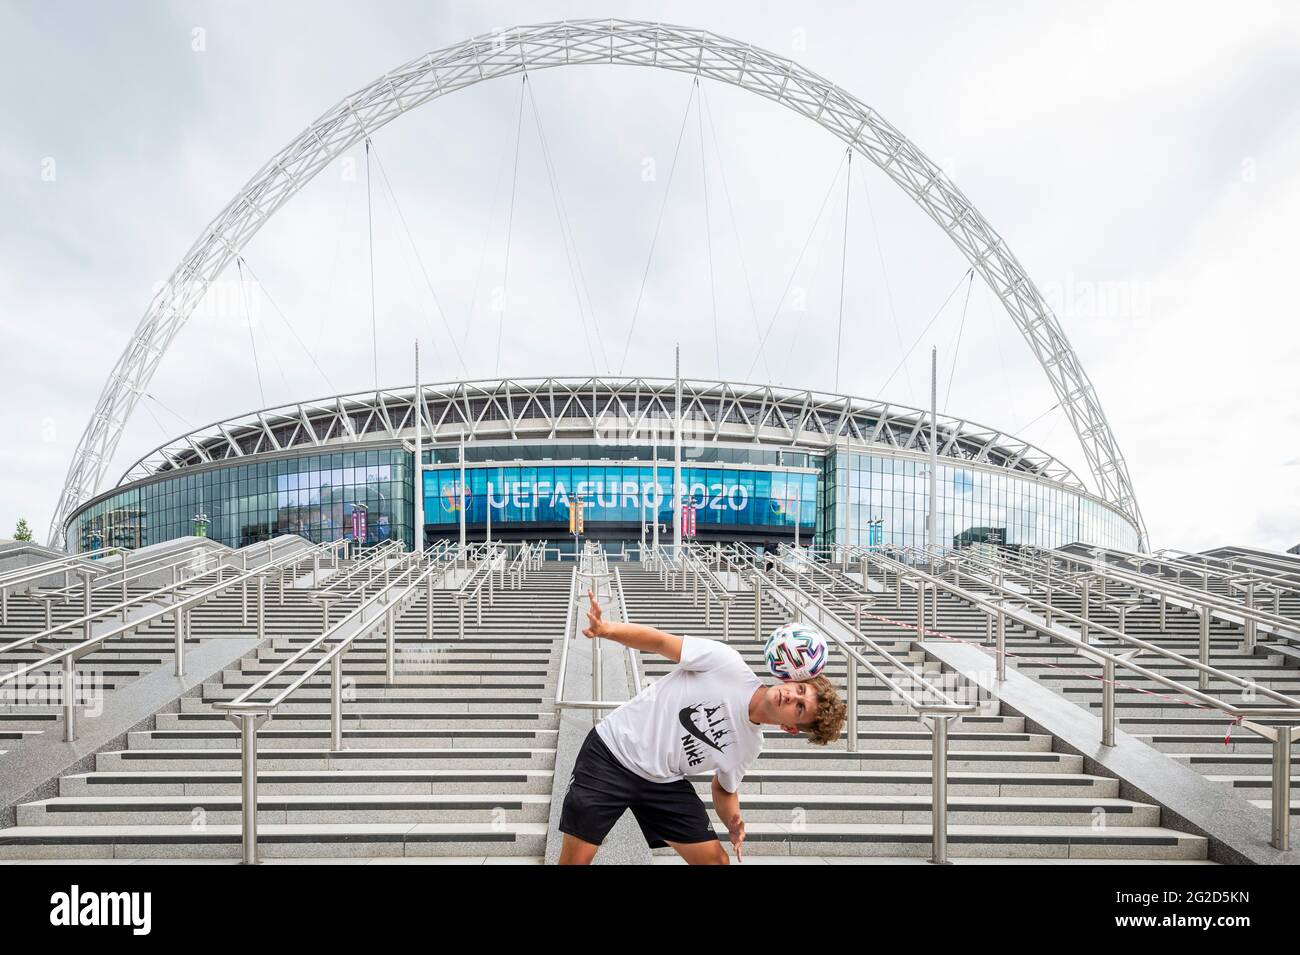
(702, 853)
(575, 851)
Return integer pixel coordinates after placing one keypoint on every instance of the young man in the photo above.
(707, 715)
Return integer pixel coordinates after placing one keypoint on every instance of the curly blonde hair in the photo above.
(829, 720)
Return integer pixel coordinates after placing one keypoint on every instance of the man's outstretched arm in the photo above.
(727, 806)
(632, 635)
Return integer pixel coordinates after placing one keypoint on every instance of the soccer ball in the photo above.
(795, 652)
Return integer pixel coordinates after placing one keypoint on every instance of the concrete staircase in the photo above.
(1203, 738)
(121, 661)
(455, 761)
(1014, 796)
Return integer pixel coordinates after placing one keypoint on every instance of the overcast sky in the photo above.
(1142, 160)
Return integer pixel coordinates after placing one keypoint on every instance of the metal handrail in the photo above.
(486, 557)
(1186, 562)
(366, 563)
(1202, 602)
(714, 589)
(249, 714)
(90, 615)
(632, 658)
(180, 608)
(87, 618)
(938, 717)
(59, 565)
(594, 566)
(1281, 736)
(1275, 622)
(352, 588)
(143, 566)
(518, 568)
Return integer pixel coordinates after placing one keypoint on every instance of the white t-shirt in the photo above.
(694, 720)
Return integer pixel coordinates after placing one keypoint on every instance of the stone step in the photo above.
(778, 741)
(309, 809)
(914, 840)
(272, 782)
(223, 737)
(457, 757)
(277, 841)
(911, 780)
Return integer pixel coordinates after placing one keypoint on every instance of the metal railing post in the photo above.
(1083, 627)
(758, 607)
(1203, 649)
(1108, 702)
(248, 789)
(390, 638)
(853, 705)
(1282, 786)
(1002, 644)
(1163, 599)
(261, 606)
(86, 603)
(597, 681)
(69, 699)
(182, 628)
(124, 594)
(920, 610)
(336, 702)
(939, 790)
(1250, 619)
(428, 610)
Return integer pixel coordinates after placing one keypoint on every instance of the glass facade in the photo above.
(312, 496)
(974, 505)
(622, 493)
(846, 497)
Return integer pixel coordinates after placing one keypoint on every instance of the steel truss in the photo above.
(610, 42)
(615, 411)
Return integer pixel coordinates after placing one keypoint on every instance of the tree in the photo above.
(22, 532)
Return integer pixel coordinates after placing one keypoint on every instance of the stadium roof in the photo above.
(599, 408)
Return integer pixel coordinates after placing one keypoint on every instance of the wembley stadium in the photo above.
(758, 463)
(367, 627)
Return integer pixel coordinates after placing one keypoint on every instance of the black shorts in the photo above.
(601, 789)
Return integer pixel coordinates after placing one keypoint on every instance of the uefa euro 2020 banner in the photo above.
(721, 497)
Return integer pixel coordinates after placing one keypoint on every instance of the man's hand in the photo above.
(736, 831)
(595, 625)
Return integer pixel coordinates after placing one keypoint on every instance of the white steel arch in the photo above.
(613, 42)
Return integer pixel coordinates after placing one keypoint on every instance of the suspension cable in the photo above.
(510, 227)
(287, 324)
(636, 309)
(483, 247)
(383, 174)
(932, 320)
(735, 231)
(884, 274)
(571, 256)
(248, 320)
(708, 237)
(844, 256)
(370, 228)
(794, 271)
(952, 373)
